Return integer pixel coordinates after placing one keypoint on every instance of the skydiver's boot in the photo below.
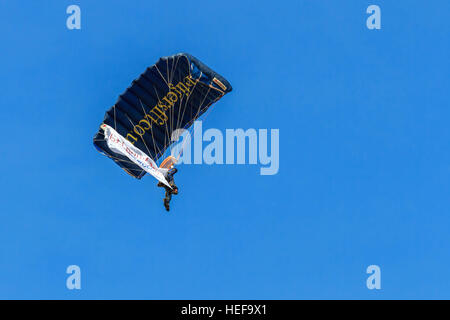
(167, 199)
(166, 204)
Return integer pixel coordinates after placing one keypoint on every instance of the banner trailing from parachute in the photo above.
(122, 146)
(169, 95)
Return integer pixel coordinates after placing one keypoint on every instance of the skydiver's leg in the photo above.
(167, 200)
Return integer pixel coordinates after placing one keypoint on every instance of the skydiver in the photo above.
(169, 191)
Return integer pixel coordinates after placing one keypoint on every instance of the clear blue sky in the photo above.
(364, 152)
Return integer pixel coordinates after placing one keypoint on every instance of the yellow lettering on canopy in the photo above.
(134, 138)
(172, 97)
(147, 123)
(189, 82)
(157, 114)
(141, 130)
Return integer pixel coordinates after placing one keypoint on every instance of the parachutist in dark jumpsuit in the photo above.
(169, 191)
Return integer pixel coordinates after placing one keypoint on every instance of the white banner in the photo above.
(120, 145)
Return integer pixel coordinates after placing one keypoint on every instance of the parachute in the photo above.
(169, 95)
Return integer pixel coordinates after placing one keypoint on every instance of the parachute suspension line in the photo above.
(166, 127)
(115, 128)
(162, 77)
(182, 105)
(167, 124)
(115, 123)
(140, 136)
(172, 112)
(111, 156)
(191, 128)
(159, 151)
(182, 116)
(204, 116)
(188, 97)
(174, 67)
(153, 140)
(179, 120)
(187, 100)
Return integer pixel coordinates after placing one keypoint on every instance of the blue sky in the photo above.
(364, 160)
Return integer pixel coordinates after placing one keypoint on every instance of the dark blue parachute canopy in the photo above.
(169, 95)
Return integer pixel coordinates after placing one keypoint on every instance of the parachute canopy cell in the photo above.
(169, 95)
